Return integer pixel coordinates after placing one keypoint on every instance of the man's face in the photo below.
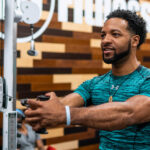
(116, 40)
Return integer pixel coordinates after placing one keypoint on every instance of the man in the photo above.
(121, 97)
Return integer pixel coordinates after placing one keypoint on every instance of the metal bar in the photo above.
(14, 65)
(9, 69)
(9, 43)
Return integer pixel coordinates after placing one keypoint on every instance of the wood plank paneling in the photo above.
(73, 48)
(77, 136)
(28, 94)
(96, 54)
(68, 145)
(89, 71)
(41, 71)
(65, 40)
(52, 87)
(87, 36)
(75, 80)
(22, 79)
(76, 56)
(60, 63)
(69, 54)
(53, 133)
(89, 147)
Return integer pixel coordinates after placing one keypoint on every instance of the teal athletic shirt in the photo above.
(98, 90)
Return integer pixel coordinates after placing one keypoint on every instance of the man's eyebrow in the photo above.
(113, 30)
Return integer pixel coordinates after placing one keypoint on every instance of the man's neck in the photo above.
(124, 68)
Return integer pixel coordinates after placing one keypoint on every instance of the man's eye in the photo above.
(102, 36)
(116, 34)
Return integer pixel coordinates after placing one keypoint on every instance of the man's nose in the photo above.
(107, 39)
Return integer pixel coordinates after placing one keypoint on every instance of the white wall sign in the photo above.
(102, 9)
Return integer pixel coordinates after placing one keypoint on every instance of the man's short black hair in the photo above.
(136, 24)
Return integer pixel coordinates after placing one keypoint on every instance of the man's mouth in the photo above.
(107, 51)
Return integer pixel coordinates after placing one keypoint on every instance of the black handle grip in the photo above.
(42, 131)
(43, 98)
(24, 102)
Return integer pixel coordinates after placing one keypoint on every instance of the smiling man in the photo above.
(116, 41)
(120, 98)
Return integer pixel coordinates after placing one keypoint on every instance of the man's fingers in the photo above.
(32, 113)
(51, 94)
(32, 120)
(36, 127)
(33, 103)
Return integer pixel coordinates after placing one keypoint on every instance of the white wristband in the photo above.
(68, 116)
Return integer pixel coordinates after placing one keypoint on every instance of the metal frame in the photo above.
(10, 41)
(9, 71)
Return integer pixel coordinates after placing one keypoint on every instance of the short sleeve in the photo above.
(37, 136)
(145, 88)
(84, 91)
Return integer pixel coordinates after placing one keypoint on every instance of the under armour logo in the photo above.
(113, 87)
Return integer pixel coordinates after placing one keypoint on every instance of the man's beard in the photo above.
(118, 57)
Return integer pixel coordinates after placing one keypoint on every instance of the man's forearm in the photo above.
(109, 116)
(73, 100)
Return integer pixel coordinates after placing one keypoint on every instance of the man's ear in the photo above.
(135, 40)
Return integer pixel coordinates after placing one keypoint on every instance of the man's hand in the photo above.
(45, 113)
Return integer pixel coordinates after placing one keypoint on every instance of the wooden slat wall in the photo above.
(68, 55)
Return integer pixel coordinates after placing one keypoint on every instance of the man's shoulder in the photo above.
(144, 72)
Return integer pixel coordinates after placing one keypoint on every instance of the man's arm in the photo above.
(73, 99)
(115, 115)
(52, 112)
(108, 116)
